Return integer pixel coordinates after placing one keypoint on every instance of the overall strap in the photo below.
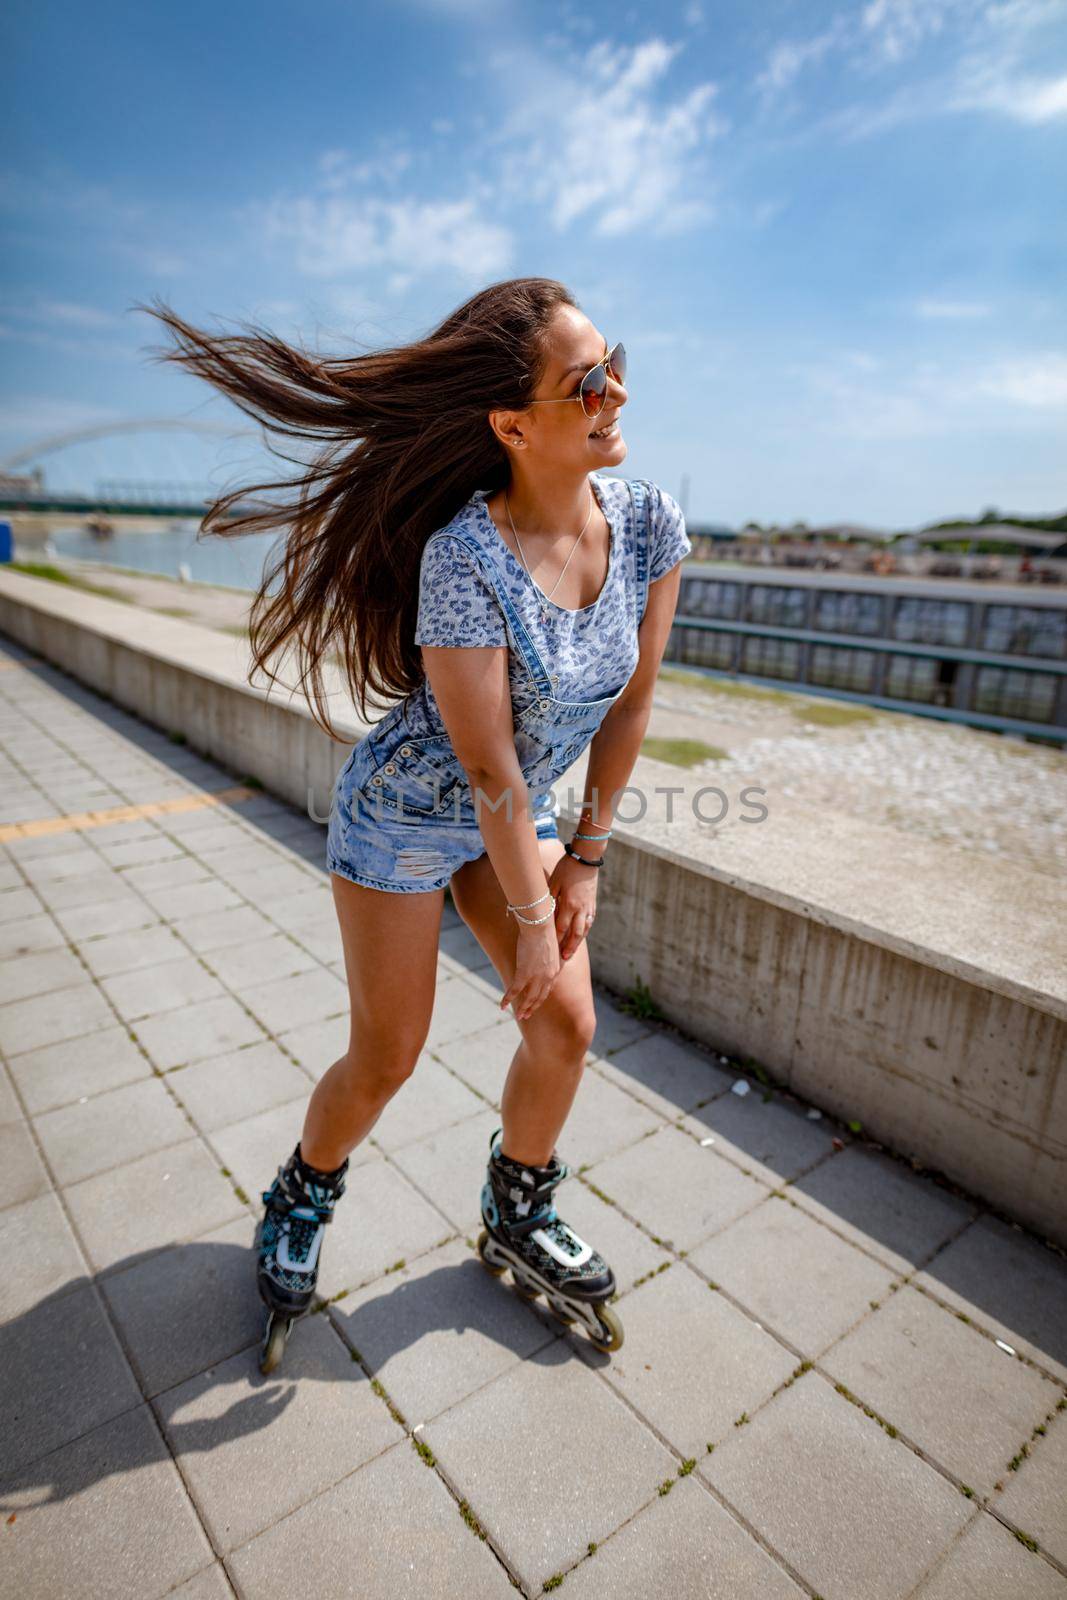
(516, 627)
(639, 497)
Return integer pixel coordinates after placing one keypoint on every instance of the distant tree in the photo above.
(990, 514)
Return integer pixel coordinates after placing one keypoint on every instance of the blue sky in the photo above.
(832, 238)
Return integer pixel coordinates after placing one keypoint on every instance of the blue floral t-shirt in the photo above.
(589, 652)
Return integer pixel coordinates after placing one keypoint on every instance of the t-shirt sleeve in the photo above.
(669, 541)
(457, 605)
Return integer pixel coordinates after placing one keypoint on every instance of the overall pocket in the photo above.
(412, 777)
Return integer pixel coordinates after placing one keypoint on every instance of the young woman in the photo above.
(455, 545)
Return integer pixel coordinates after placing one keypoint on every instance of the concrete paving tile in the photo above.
(201, 896)
(1011, 1284)
(165, 875)
(29, 1024)
(210, 1584)
(90, 889)
(50, 1267)
(188, 1308)
(460, 947)
(16, 905)
(121, 911)
(226, 1088)
(58, 1074)
(548, 1459)
(448, 1166)
(138, 852)
(290, 1002)
(683, 1544)
(317, 1045)
(692, 1363)
(460, 1008)
(896, 1214)
(210, 1028)
(431, 1099)
(64, 1373)
(214, 930)
(799, 1279)
(615, 1028)
(629, 1252)
(253, 1452)
(482, 1058)
(10, 1109)
(773, 1138)
(1035, 1493)
(952, 1391)
(151, 991)
(1034, 1498)
(161, 1199)
(989, 1561)
(29, 934)
(110, 1129)
(126, 951)
(254, 961)
(269, 890)
(668, 1076)
(676, 1190)
(115, 1524)
(601, 1121)
(357, 1539)
(252, 1150)
(853, 1511)
(41, 972)
(24, 1173)
(77, 861)
(439, 1329)
(380, 1220)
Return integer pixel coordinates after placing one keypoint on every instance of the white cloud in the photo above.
(607, 143)
(1038, 381)
(336, 236)
(980, 64)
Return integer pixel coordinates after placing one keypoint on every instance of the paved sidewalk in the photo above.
(840, 1378)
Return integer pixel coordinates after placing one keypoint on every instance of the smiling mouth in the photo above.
(609, 431)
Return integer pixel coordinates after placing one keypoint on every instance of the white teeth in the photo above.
(605, 433)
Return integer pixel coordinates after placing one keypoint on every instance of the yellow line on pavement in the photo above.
(81, 820)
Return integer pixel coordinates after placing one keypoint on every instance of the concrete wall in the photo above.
(954, 1056)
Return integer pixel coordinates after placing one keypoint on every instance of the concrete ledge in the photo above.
(910, 986)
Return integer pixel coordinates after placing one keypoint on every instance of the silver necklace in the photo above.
(546, 598)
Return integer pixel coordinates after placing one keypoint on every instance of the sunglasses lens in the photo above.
(617, 363)
(594, 391)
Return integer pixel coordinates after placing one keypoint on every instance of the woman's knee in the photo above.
(384, 1057)
(566, 1024)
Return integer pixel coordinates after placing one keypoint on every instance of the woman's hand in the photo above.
(574, 886)
(536, 964)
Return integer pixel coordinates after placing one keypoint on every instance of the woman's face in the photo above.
(562, 434)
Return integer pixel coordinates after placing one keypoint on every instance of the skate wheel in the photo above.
(274, 1340)
(490, 1266)
(562, 1316)
(613, 1335)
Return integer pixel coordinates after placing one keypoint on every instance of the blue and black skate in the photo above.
(288, 1244)
(523, 1232)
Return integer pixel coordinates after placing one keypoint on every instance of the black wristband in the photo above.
(585, 860)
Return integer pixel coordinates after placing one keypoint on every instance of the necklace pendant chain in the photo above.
(545, 598)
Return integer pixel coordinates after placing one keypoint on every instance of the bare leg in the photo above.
(390, 944)
(547, 1066)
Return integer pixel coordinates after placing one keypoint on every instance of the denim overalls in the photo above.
(402, 816)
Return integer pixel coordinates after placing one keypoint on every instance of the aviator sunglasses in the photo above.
(593, 390)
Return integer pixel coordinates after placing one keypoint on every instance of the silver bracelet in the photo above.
(532, 922)
(526, 906)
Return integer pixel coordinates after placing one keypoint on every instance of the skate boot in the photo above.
(522, 1231)
(288, 1243)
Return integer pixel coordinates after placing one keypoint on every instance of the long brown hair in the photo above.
(407, 442)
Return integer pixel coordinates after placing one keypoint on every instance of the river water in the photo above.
(234, 563)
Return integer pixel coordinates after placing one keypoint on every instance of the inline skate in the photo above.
(288, 1244)
(522, 1231)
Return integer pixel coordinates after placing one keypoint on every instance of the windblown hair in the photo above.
(406, 443)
